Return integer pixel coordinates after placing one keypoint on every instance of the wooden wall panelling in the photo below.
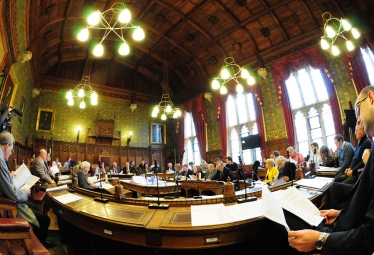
(280, 144)
(211, 156)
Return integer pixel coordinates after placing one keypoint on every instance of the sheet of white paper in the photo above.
(292, 160)
(280, 181)
(213, 214)
(105, 185)
(30, 182)
(64, 177)
(22, 174)
(271, 209)
(62, 187)
(55, 170)
(245, 211)
(138, 180)
(67, 198)
(316, 183)
(293, 201)
(92, 179)
(327, 169)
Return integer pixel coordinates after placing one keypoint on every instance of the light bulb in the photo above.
(178, 112)
(69, 95)
(98, 50)
(239, 88)
(251, 81)
(335, 50)
(93, 101)
(215, 84)
(225, 74)
(223, 90)
(94, 95)
(154, 114)
(83, 35)
(124, 49)
(245, 74)
(163, 116)
(138, 34)
(324, 44)
(175, 115)
(82, 105)
(346, 25)
(349, 45)
(156, 110)
(94, 18)
(124, 16)
(81, 93)
(330, 32)
(79, 128)
(168, 108)
(71, 102)
(356, 34)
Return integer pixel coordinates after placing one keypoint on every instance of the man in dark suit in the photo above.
(126, 169)
(156, 168)
(114, 169)
(287, 169)
(223, 173)
(40, 168)
(231, 165)
(185, 172)
(343, 155)
(142, 166)
(351, 230)
(211, 173)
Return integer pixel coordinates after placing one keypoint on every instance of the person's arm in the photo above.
(361, 164)
(82, 182)
(8, 188)
(39, 171)
(347, 157)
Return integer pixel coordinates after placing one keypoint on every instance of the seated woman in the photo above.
(198, 170)
(81, 175)
(328, 159)
(100, 169)
(146, 168)
(56, 163)
(287, 169)
(272, 172)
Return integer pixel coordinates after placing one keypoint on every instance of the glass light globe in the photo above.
(245, 74)
(154, 114)
(251, 81)
(124, 49)
(349, 45)
(163, 116)
(223, 90)
(324, 44)
(346, 25)
(156, 110)
(94, 95)
(69, 95)
(81, 93)
(138, 34)
(356, 34)
(71, 102)
(225, 74)
(82, 105)
(335, 50)
(83, 35)
(168, 108)
(98, 50)
(93, 101)
(124, 16)
(215, 84)
(94, 18)
(330, 31)
(175, 115)
(239, 88)
(178, 112)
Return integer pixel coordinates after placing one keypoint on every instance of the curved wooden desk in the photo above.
(163, 188)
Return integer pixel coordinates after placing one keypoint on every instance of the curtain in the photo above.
(282, 71)
(197, 107)
(356, 68)
(222, 122)
(180, 124)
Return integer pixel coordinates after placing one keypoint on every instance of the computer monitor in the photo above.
(73, 163)
(250, 142)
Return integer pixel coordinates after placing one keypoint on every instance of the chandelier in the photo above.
(116, 20)
(83, 89)
(231, 71)
(335, 28)
(166, 106)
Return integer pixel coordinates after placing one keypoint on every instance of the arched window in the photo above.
(369, 62)
(241, 122)
(310, 109)
(191, 146)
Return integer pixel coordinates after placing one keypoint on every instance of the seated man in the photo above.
(343, 154)
(315, 156)
(170, 169)
(231, 165)
(40, 168)
(275, 154)
(297, 157)
(38, 220)
(286, 169)
(126, 169)
(223, 173)
(67, 163)
(351, 174)
(81, 175)
(156, 168)
(57, 163)
(114, 169)
(211, 173)
(100, 169)
(185, 172)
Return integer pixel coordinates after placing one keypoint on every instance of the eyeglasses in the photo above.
(358, 106)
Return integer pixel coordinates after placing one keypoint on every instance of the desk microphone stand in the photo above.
(240, 171)
(158, 205)
(101, 199)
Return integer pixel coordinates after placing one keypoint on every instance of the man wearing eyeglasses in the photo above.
(38, 220)
(40, 168)
(350, 230)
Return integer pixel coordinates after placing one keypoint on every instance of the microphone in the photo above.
(240, 172)
(101, 199)
(146, 181)
(158, 205)
(17, 111)
(167, 188)
(288, 154)
(315, 154)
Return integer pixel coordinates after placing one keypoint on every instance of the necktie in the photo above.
(210, 176)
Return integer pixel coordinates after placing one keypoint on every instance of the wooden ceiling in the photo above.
(195, 35)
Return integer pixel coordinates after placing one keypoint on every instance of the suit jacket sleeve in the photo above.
(82, 182)
(40, 171)
(360, 164)
(347, 156)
